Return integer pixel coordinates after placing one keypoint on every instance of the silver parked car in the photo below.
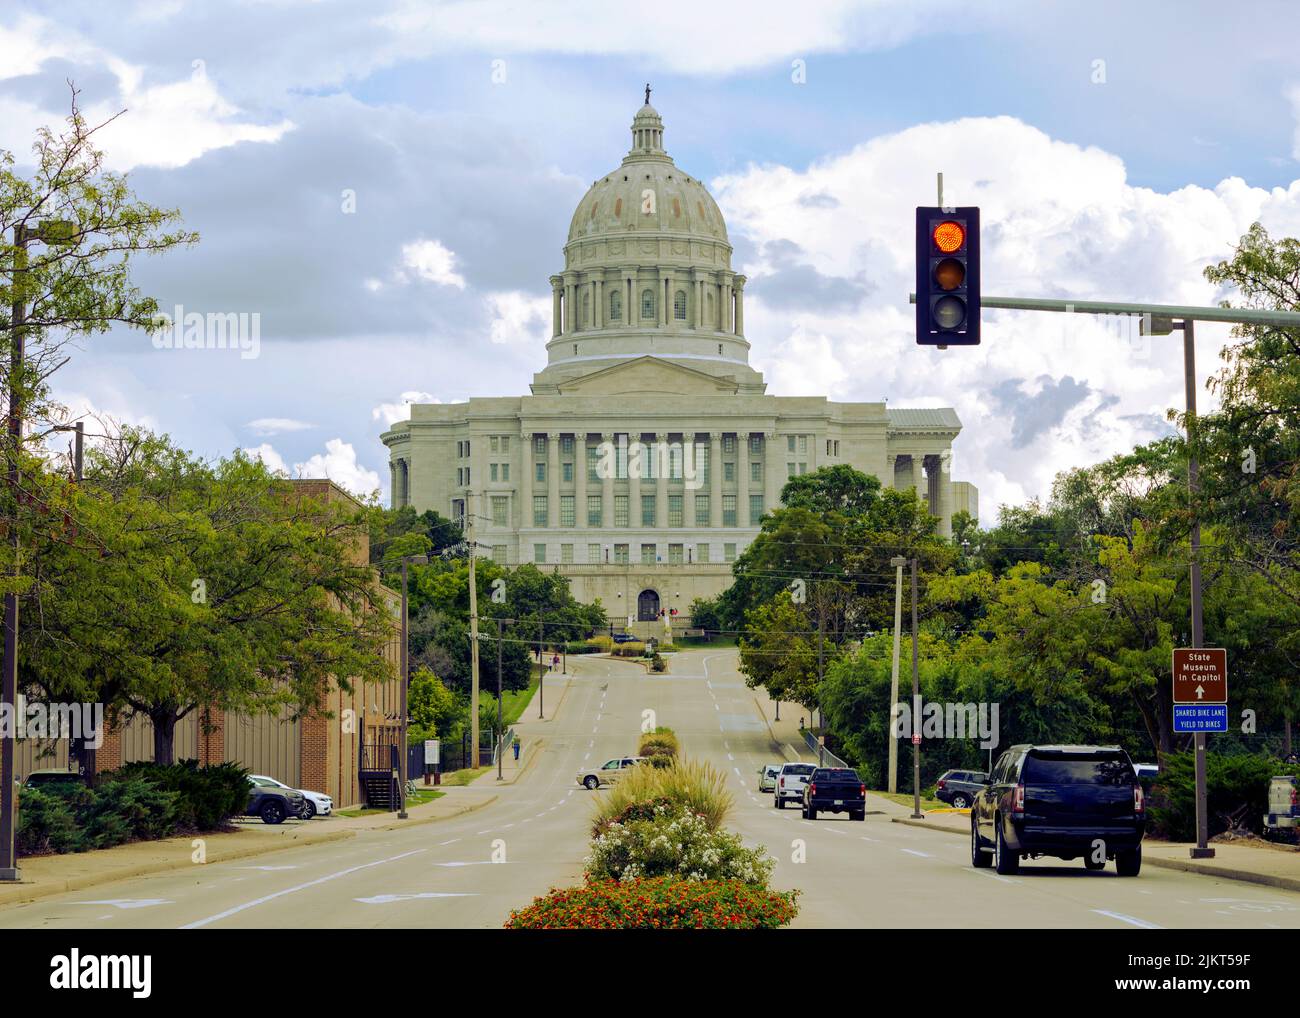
(767, 777)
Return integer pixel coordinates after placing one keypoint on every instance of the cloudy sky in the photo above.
(389, 184)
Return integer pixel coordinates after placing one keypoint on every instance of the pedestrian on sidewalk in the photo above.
(516, 748)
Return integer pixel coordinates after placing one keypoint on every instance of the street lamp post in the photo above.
(898, 562)
(50, 232)
(402, 754)
(916, 710)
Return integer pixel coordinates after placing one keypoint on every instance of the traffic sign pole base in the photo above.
(1201, 853)
(10, 873)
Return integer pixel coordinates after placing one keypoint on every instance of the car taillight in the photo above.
(812, 788)
(1139, 800)
(783, 782)
(1018, 800)
(862, 791)
(940, 784)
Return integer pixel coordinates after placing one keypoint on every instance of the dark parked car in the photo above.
(273, 803)
(1061, 801)
(835, 790)
(623, 638)
(46, 778)
(959, 788)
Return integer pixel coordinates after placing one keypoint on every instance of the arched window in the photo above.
(647, 304)
(615, 306)
(679, 305)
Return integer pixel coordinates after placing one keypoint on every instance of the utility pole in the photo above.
(500, 750)
(541, 676)
(473, 629)
(821, 737)
(898, 561)
(916, 710)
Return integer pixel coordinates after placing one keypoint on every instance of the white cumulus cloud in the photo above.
(432, 262)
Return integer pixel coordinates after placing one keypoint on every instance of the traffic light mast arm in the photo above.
(1248, 316)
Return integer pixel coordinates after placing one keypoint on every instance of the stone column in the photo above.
(918, 461)
(890, 479)
(697, 299)
(635, 463)
(661, 481)
(557, 306)
(525, 479)
(597, 304)
(570, 305)
(773, 470)
(740, 305)
(724, 313)
(943, 495)
(715, 479)
(742, 479)
(552, 480)
(607, 483)
(580, 479)
(392, 484)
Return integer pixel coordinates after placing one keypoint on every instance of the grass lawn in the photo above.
(905, 799)
(693, 642)
(513, 701)
(418, 798)
(464, 777)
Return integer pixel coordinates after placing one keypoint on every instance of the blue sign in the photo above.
(1200, 717)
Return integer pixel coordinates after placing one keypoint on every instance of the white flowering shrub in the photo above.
(677, 843)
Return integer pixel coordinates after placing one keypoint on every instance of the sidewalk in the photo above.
(44, 875)
(531, 733)
(786, 732)
(1256, 865)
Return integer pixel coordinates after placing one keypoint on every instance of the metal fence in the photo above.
(825, 758)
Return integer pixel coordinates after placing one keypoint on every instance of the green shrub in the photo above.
(661, 740)
(658, 664)
(132, 809)
(659, 904)
(1237, 793)
(602, 644)
(697, 787)
(673, 842)
(206, 797)
(581, 647)
(633, 649)
(660, 760)
(47, 821)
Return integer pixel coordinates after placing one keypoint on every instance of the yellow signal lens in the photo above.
(949, 274)
(949, 236)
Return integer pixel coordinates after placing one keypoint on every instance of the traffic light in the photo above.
(947, 276)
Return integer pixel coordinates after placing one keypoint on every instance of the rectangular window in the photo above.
(539, 553)
(494, 444)
(789, 470)
(566, 444)
(505, 443)
(621, 511)
(756, 442)
(593, 463)
(729, 553)
(505, 471)
(467, 447)
(499, 553)
(467, 481)
(702, 463)
(594, 511)
(756, 471)
(541, 473)
(829, 446)
(647, 510)
(729, 510)
(755, 509)
(789, 443)
(675, 510)
(539, 445)
(566, 474)
(621, 555)
(492, 472)
(648, 554)
(728, 443)
(701, 510)
(593, 554)
(837, 447)
(803, 444)
(702, 552)
(567, 518)
(803, 468)
(728, 471)
(500, 506)
(539, 510)
(676, 554)
(566, 554)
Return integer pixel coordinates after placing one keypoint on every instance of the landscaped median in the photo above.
(661, 859)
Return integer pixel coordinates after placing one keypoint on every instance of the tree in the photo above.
(840, 489)
(432, 707)
(201, 585)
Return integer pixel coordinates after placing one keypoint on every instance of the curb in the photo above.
(777, 744)
(22, 894)
(1185, 865)
(568, 681)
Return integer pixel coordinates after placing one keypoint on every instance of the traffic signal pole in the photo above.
(1161, 320)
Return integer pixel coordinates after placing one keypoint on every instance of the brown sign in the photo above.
(1200, 675)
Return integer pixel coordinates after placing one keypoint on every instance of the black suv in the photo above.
(1061, 801)
(959, 788)
(273, 803)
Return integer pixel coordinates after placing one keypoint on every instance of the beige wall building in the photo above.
(648, 450)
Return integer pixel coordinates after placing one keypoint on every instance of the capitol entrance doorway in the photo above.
(647, 606)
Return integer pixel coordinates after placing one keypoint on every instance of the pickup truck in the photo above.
(1062, 801)
(835, 790)
(790, 782)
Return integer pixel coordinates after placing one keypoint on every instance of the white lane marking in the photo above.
(292, 867)
(488, 831)
(541, 814)
(451, 842)
(125, 903)
(561, 802)
(477, 862)
(730, 757)
(726, 744)
(1128, 919)
(596, 729)
(507, 827)
(590, 743)
(294, 890)
(586, 757)
(868, 839)
(912, 851)
(737, 770)
(716, 707)
(385, 899)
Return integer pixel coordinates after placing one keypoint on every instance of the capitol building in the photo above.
(648, 450)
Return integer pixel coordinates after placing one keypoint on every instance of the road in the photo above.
(471, 870)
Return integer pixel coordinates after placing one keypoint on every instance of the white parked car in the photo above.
(316, 802)
(609, 772)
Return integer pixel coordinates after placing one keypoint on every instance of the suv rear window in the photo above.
(798, 769)
(1096, 769)
(836, 774)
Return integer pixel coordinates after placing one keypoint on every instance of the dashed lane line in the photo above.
(1131, 920)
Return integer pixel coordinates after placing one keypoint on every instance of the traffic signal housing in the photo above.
(947, 276)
